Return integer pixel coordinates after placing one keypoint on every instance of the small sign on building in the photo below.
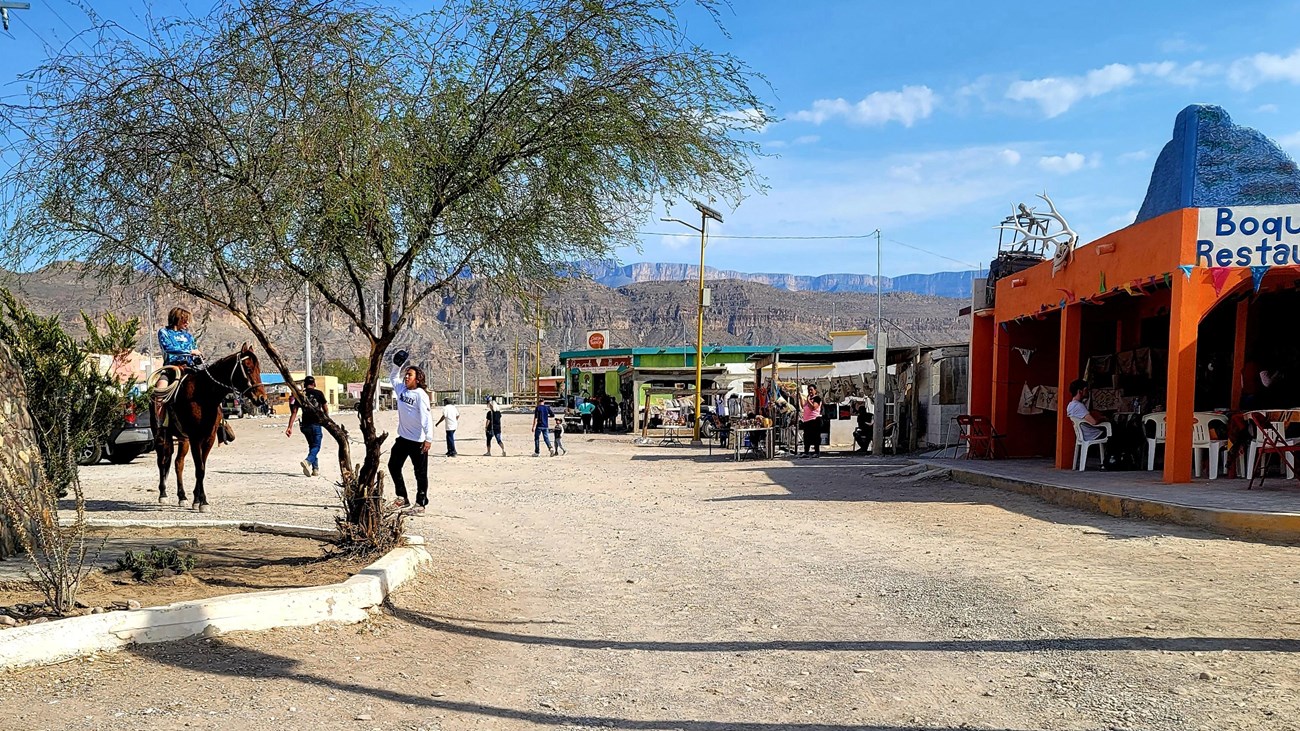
(597, 339)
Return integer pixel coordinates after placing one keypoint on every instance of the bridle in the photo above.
(241, 369)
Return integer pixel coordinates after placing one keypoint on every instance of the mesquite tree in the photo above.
(354, 149)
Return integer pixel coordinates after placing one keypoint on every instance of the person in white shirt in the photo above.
(414, 433)
(1078, 409)
(451, 415)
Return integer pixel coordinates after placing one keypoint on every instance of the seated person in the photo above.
(1079, 411)
(863, 434)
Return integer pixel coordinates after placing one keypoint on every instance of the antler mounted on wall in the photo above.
(1036, 230)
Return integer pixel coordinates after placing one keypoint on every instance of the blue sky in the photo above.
(929, 120)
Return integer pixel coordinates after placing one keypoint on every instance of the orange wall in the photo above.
(1149, 248)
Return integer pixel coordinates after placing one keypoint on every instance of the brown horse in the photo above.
(195, 415)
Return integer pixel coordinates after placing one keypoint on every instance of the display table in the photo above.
(753, 435)
(672, 435)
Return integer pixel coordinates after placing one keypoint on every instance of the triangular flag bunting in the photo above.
(1069, 294)
(1128, 289)
(1004, 326)
(1257, 275)
(1063, 303)
(1103, 282)
(1219, 275)
(1187, 269)
(1169, 279)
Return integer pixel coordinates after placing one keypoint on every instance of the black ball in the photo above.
(399, 357)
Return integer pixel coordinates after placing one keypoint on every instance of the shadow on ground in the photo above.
(218, 657)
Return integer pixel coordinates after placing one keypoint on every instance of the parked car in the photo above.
(127, 440)
(232, 406)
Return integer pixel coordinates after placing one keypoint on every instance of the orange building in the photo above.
(1204, 284)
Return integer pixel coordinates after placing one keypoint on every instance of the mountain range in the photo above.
(500, 332)
(940, 284)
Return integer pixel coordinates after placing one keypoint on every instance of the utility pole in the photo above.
(462, 360)
(307, 327)
(537, 383)
(880, 355)
(705, 214)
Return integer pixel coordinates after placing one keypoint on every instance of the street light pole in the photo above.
(880, 356)
(705, 214)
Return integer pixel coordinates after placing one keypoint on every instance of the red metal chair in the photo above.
(978, 434)
(1271, 442)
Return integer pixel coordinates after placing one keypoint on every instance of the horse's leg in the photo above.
(163, 445)
(182, 445)
(200, 450)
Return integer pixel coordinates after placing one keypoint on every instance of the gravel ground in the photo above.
(657, 588)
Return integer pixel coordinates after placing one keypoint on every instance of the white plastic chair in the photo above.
(1081, 445)
(1201, 441)
(1158, 440)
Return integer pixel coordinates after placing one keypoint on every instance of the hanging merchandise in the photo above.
(1025, 353)
(1045, 398)
(1219, 276)
(1028, 396)
(1257, 275)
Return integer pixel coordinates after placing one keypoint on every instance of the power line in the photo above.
(843, 237)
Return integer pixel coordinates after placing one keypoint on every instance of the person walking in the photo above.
(451, 415)
(557, 433)
(314, 406)
(542, 428)
(810, 420)
(414, 433)
(492, 426)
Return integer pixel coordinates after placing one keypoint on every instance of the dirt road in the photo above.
(655, 588)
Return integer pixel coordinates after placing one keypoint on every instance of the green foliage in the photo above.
(352, 370)
(150, 566)
(73, 405)
(116, 339)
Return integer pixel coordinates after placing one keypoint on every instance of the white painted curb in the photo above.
(346, 602)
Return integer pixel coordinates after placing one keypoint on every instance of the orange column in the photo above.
(1180, 399)
(979, 399)
(1067, 370)
(1239, 351)
(1000, 389)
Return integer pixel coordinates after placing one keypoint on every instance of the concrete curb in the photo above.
(1281, 527)
(347, 602)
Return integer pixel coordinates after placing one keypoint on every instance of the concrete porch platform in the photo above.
(1223, 505)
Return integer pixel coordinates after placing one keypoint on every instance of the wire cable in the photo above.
(843, 237)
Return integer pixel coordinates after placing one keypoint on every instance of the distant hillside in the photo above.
(651, 314)
(939, 284)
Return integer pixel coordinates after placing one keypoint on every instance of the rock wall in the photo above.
(17, 443)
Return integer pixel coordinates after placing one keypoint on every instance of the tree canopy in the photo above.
(375, 156)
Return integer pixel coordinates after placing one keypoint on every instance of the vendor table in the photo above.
(752, 434)
(672, 435)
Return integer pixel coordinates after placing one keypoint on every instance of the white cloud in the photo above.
(1055, 95)
(776, 144)
(749, 119)
(1267, 109)
(906, 106)
(1123, 220)
(1063, 164)
(806, 140)
(1180, 45)
(1135, 156)
(1010, 157)
(1290, 142)
(1247, 73)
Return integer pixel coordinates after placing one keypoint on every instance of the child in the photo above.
(557, 431)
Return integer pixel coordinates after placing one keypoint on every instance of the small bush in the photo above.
(150, 566)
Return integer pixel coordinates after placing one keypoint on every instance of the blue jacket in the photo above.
(177, 346)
